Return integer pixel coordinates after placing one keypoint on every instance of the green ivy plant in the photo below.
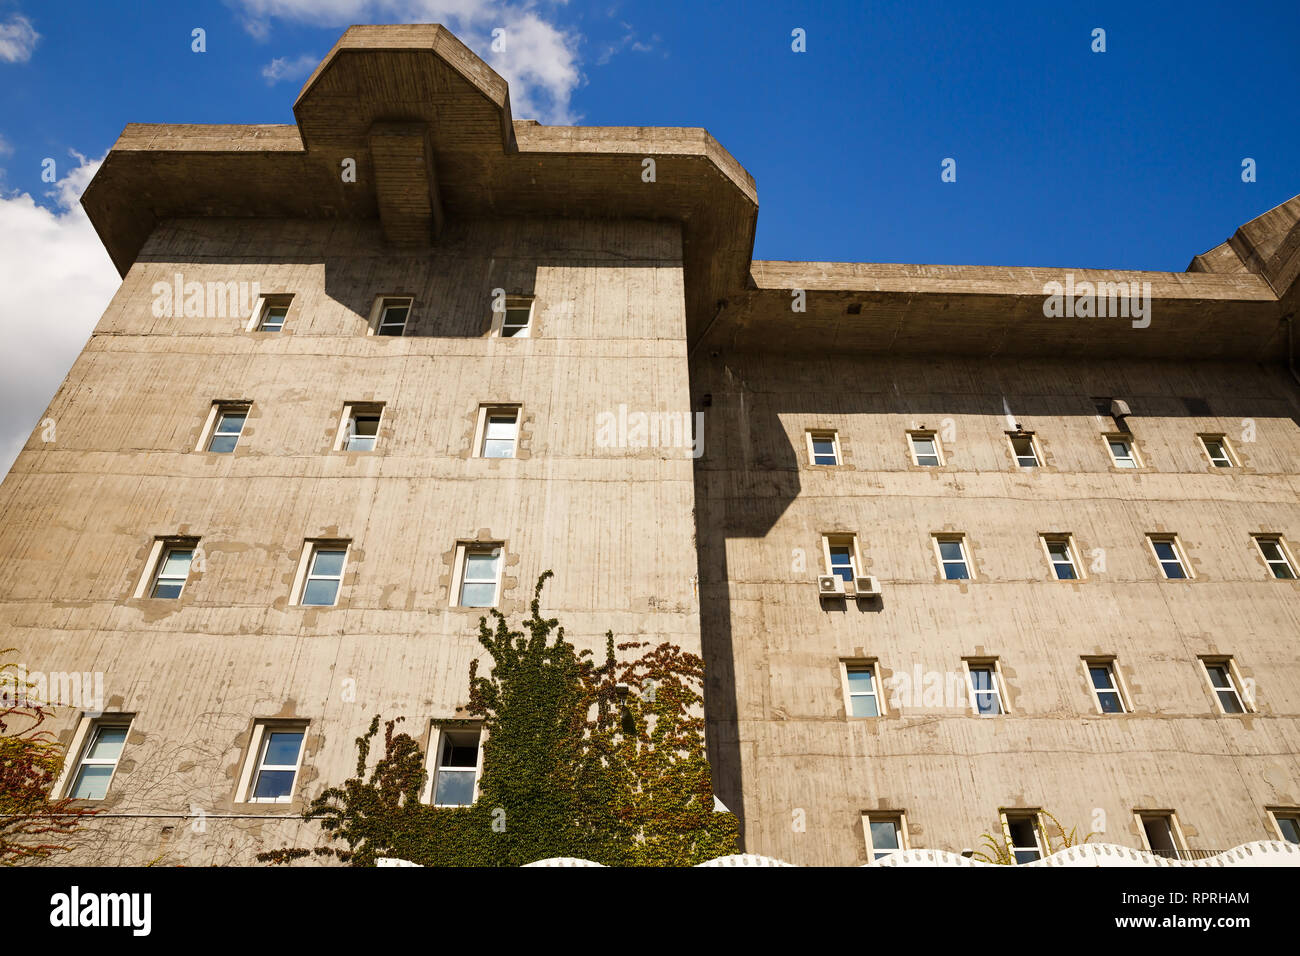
(998, 851)
(604, 762)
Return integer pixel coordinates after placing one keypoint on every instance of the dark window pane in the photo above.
(223, 443)
(455, 788)
(282, 747)
(320, 593)
(273, 783)
(328, 563)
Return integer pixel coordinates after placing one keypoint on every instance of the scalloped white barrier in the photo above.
(564, 861)
(1260, 853)
(745, 859)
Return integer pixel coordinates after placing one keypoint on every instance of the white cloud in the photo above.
(628, 41)
(283, 68)
(539, 59)
(56, 280)
(17, 39)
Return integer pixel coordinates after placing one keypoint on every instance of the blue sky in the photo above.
(1129, 158)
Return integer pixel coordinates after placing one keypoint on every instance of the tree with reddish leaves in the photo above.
(32, 826)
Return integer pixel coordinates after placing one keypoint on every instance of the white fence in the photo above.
(1261, 853)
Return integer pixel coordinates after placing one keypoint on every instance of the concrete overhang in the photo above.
(880, 308)
(368, 101)
(429, 128)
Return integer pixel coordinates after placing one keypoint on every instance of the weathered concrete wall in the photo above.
(78, 513)
(786, 757)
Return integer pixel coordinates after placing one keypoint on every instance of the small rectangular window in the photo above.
(270, 313)
(99, 757)
(862, 689)
(1170, 557)
(480, 575)
(455, 774)
(986, 694)
(841, 554)
(925, 449)
(393, 314)
(1106, 687)
(1288, 824)
(1121, 451)
(517, 320)
(824, 448)
(1060, 553)
(1216, 447)
(1276, 557)
(886, 833)
(278, 754)
(1162, 835)
(499, 428)
(952, 558)
(227, 426)
(359, 427)
(324, 573)
(1224, 683)
(1025, 450)
(1024, 835)
(173, 571)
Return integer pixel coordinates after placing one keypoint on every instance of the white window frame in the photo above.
(1235, 685)
(307, 561)
(499, 410)
(994, 667)
(1180, 557)
(463, 550)
(1034, 818)
(1277, 814)
(83, 739)
(960, 540)
(821, 434)
(1118, 460)
(263, 306)
(212, 423)
(1067, 541)
(514, 302)
(842, 539)
(1170, 817)
(899, 819)
(1229, 455)
(438, 729)
(382, 304)
(1032, 440)
(253, 765)
(924, 435)
(1117, 687)
(1285, 560)
(857, 665)
(352, 411)
(162, 547)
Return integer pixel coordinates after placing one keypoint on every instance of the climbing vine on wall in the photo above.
(601, 761)
(33, 826)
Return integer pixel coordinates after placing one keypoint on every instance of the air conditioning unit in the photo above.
(866, 585)
(830, 585)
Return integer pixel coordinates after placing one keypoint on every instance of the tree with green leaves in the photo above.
(604, 762)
